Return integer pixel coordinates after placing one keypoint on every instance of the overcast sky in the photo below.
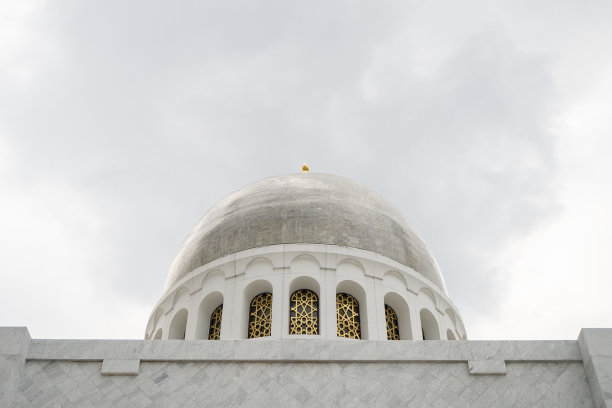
(488, 124)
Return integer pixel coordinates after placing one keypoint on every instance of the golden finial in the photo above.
(305, 168)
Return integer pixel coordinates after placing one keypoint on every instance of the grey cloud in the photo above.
(155, 112)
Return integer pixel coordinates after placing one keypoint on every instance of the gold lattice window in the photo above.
(347, 314)
(260, 316)
(304, 312)
(392, 324)
(214, 332)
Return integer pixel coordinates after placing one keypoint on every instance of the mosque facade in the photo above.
(305, 290)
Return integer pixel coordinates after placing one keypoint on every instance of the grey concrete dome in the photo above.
(306, 208)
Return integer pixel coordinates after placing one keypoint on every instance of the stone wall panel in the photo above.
(302, 384)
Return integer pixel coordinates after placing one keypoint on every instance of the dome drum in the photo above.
(376, 282)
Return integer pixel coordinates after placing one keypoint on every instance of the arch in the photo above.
(260, 316)
(450, 335)
(259, 266)
(305, 258)
(158, 334)
(355, 290)
(154, 319)
(181, 293)
(214, 331)
(214, 280)
(451, 315)
(255, 287)
(430, 294)
(208, 304)
(429, 325)
(158, 313)
(350, 267)
(305, 282)
(460, 330)
(400, 307)
(395, 280)
(178, 326)
(304, 312)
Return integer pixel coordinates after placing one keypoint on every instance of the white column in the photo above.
(228, 309)
(284, 323)
(239, 313)
(372, 309)
(323, 304)
(441, 324)
(379, 291)
(328, 292)
(415, 317)
(277, 305)
(192, 318)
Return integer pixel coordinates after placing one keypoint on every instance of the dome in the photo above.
(308, 208)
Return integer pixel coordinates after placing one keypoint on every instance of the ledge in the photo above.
(287, 350)
(120, 367)
(487, 367)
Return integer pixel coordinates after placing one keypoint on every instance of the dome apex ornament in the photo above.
(305, 168)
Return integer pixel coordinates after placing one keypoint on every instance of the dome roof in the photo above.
(310, 208)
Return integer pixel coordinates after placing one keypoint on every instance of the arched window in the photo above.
(347, 315)
(304, 312)
(178, 326)
(429, 326)
(214, 331)
(260, 316)
(392, 323)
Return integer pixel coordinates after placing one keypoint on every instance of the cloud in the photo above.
(123, 123)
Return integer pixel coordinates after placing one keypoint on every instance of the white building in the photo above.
(305, 290)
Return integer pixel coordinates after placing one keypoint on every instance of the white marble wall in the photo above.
(293, 372)
(596, 348)
(331, 384)
(14, 345)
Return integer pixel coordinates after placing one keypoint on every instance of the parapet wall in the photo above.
(260, 372)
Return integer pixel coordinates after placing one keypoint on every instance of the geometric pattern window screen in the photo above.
(392, 325)
(347, 316)
(260, 316)
(304, 312)
(214, 333)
